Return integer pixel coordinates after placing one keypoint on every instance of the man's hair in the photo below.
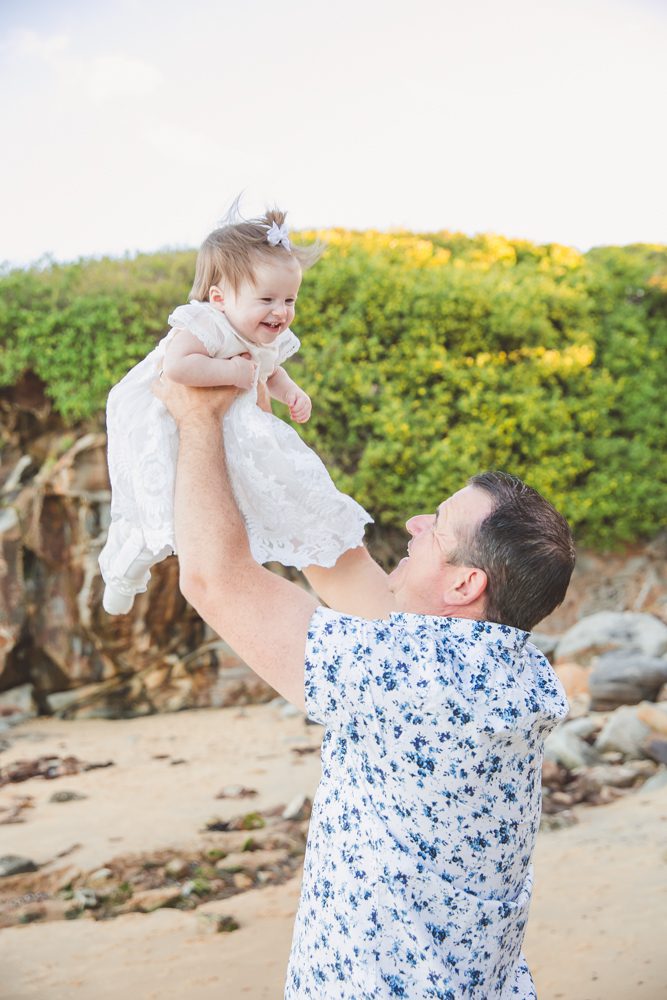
(524, 546)
(232, 253)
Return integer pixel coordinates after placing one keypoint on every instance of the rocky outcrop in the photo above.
(56, 643)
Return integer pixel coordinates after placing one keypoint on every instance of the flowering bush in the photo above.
(429, 358)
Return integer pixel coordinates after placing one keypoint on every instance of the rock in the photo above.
(242, 881)
(87, 898)
(147, 900)
(249, 861)
(654, 716)
(656, 749)
(553, 774)
(623, 776)
(662, 694)
(559, 821)
(574, 679)
(289, 711)
(563, 746)
(18, 704)
(65, 796)
(609, 630)
(624, 732)
(584, 727)
(13, 864)
(176, 867)
(299, 808)
(217, 923)
(658, 781)
(101, 875)
(236, 792)
(117, 698)
(624, 677)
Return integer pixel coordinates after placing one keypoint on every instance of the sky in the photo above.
(131, 126)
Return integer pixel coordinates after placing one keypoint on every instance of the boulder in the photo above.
(657, 782)
(654, 716)
(609, 630)
(574, 679)
(564, 746)
(18, 704)
(624, 732)
(625, 677)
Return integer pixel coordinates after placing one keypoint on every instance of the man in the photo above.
(417, 877)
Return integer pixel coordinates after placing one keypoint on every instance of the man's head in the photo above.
(496, 550)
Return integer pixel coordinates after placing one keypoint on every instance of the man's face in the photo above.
(260, 312)
(422, 580)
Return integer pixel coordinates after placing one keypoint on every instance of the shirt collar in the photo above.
(469, 628)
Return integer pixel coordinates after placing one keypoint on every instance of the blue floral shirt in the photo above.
(417, 877)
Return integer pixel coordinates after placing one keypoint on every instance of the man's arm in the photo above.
(356, 585)
(262, 616)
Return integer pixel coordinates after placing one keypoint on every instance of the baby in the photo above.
(234, 331)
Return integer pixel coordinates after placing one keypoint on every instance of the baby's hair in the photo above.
(232, 252)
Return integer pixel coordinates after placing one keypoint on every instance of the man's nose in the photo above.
(418, 523)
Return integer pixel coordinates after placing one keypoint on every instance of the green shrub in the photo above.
(429, 358)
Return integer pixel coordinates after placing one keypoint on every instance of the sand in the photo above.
(597, 924)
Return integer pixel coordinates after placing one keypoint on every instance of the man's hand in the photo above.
(299, 405)
(185, 402)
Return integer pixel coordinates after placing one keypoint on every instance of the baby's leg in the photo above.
(126, 564)
(355, 585)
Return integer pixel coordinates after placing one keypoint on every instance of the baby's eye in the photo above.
(265, 300)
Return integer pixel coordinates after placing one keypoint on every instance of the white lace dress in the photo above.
(293, 512)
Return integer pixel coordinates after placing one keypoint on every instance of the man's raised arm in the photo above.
(263, 617)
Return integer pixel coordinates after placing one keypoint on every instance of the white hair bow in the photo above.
(279, 234)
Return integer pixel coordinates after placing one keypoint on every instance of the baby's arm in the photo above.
(286, 391)
(187, 362)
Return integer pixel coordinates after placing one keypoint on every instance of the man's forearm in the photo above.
(210, 532)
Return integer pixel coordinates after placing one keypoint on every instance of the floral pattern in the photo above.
(418, 877)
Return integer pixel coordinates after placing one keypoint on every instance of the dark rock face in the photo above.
(54, 634)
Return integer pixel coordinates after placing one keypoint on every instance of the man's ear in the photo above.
(215, 295)
(468, 587)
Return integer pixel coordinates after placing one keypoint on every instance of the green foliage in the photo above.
(429, 358)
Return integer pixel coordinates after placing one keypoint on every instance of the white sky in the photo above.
(131, 124)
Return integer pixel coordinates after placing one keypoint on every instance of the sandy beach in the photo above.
(596, 930)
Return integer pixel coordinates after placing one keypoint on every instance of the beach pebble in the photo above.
(176, 867)
(299, 808)
(12, 864)
(216, 923)
(101, 875)
(67, 796)
(86, 898)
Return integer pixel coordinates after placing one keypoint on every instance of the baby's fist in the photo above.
(244, 375)
(299, 406)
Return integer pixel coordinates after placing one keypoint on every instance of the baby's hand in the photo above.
(299, 406)
(244, 376)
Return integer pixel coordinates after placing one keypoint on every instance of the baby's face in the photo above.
(261, 311)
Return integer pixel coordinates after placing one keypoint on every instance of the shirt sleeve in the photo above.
(288, 344)
(197, 319)
(357, 668)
